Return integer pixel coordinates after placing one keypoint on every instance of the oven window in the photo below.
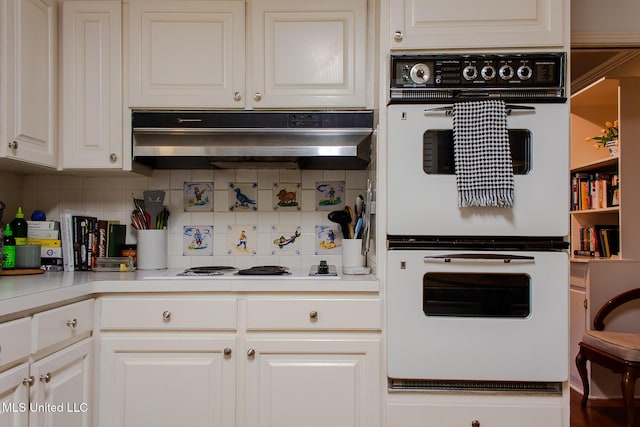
(476, 295)
(438, 158)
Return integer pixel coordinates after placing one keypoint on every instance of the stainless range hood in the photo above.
(252, 139)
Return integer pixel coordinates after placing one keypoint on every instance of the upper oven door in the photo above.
(422, 191)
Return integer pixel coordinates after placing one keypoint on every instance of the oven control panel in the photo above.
(416, 77)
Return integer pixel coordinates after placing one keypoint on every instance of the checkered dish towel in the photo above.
(484, 172)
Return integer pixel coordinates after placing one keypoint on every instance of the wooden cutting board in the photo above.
(21, 271)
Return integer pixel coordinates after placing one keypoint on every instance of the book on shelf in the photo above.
(116, 235)
(41, 233)
(43, 225)
(79, 235)
(594, 191)
(45, 243)
(598, 241)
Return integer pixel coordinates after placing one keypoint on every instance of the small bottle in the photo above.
(19, 228)
(9, 251)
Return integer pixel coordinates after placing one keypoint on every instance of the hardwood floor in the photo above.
(609, 413)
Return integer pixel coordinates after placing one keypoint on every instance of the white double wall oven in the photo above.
(477, 297)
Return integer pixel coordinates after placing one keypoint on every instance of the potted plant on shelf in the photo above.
(608, 138)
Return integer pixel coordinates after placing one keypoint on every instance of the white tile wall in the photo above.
(110, 198)
(10, 194)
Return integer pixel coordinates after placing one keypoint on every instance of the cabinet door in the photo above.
(312, 383)
(577, 324)
(63, 389)
(91, 78)
(14, 397)
(308, 54)
(421, 24)
(165, 380)
(29, 86)
(186, 53)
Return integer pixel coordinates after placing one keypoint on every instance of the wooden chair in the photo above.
(617, 351)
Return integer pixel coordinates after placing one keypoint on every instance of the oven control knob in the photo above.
(420, 73)
(470, 72)
(525, 72)
(506, 72)
(488, 72)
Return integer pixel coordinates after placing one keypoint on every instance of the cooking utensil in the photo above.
(139, 220)
(352, 222)
(366, 221)
(162, 219)
(358, 207)
(153, 203)
(343, 218)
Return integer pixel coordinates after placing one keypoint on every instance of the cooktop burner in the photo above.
(212, 270)
(264, 270)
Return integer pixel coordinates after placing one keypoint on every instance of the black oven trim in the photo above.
(518, 243)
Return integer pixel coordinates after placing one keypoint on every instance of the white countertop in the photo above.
(21, 293)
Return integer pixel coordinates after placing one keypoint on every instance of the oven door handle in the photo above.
(448, 109)
(505, 258)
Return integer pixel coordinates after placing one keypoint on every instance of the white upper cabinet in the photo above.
(91, 84)
(424, 24)
(28, 86)
(186, 54)
(307, 54)
(192, 54)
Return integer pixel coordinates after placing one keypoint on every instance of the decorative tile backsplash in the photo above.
(282, 213)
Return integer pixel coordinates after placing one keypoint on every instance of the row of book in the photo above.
(599, 241)
(594, 191)
(86, 237)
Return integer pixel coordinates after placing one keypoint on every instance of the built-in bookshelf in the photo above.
(604, 223)
(594, 279)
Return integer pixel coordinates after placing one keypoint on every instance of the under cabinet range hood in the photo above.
(252, 139)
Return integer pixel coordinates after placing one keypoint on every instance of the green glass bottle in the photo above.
(19, 228)
(9, 250)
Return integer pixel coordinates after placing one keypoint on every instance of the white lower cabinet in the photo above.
(239, 361)
(46, 368)
(312, 382)
(167, 360)
(14, 397)
(62, 390)
(167, 379)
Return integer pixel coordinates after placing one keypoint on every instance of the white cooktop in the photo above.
(296, 273)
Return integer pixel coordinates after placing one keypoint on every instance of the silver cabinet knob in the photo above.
(13, 145)
(46, 377)
(397, 35)
(113, 157)
(29, 381)
(166, 315)
(237, 96)
(257, 96)
(251, 353)
(72, 323)
(313, 315)
(227, 352)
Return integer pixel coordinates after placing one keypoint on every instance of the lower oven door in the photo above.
(422, 190)
(471, 315)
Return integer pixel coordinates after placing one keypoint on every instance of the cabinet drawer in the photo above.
(309, 314)
(163, 313)
(578, 274)
(490, 415)
(61, 324)
(15, 340)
